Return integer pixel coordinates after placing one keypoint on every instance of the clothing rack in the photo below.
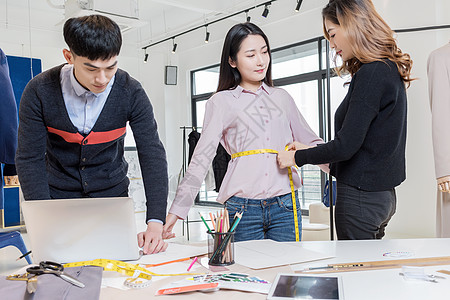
(184, 167)
(183, 171)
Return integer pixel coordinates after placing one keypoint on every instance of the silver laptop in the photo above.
(72, 230)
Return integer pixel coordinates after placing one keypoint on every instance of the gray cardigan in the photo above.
(54, 160)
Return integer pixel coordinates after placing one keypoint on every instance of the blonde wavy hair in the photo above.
(370, 37)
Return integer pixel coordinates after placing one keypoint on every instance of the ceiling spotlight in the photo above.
(266, 10)
(207, 35)
(247, 17)
(145, 57)
(299, 3)
(174, 48)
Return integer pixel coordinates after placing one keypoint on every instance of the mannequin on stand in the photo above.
(439, 89)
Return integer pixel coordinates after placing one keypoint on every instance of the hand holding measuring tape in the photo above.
(287, 158)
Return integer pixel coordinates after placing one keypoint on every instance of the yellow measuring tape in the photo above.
(294, 202)
(121, 267)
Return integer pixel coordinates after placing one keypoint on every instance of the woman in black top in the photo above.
(367, 155)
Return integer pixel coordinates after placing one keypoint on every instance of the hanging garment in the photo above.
(220, 165)
(193, 139)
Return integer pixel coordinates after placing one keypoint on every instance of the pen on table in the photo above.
(22, 256)
(192, 263)
(209, 230)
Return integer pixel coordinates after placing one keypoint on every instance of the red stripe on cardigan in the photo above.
(92, 138)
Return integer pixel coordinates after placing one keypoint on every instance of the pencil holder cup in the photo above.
(220, 248)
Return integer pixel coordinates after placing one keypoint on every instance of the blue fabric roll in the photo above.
(8, 114)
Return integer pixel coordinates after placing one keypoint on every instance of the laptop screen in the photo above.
(72, 230)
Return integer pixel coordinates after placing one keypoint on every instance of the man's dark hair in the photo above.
(95, 37)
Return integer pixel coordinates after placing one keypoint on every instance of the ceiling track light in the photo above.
(299, 3)
(145, 57)
(247, 17)
(174, 47)
(207, 35)
(266, 10)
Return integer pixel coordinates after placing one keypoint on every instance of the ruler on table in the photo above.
(377, 265)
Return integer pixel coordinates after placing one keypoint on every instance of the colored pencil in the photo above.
(167, 262)
(192, 263)
(22, 256)
(206, 224)
(212, 220)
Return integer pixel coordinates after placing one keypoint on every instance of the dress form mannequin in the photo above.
(439, 89)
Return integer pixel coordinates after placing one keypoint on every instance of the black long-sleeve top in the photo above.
(368, 151)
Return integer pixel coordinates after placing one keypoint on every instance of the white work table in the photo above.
(384, 284)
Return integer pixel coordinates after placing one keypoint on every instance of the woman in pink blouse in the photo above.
(248, 113)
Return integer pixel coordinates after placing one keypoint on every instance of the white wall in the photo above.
(416, 196)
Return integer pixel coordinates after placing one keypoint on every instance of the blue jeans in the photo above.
(271, 218)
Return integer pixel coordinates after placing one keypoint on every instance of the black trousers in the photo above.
(363, 215)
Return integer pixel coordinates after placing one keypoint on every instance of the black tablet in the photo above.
(300, 286)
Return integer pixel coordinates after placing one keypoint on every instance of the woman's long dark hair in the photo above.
(229, 77)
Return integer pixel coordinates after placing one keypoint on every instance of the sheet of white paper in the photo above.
(115, 282)
(173, 252)
(262, 254)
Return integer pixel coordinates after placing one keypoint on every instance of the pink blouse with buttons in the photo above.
(243, 120)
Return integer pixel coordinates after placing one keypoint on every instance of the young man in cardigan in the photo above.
(73, 123)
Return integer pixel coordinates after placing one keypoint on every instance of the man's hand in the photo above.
(151, 240)
(444, 184)
(171, 220)
(11, 180)
(286, 159)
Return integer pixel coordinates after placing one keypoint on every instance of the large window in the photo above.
(301, 70)
(204, 83)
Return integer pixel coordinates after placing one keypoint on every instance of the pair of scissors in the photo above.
(49, 267)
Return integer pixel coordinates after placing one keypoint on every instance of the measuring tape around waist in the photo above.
(291, 182)
(121, 267)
